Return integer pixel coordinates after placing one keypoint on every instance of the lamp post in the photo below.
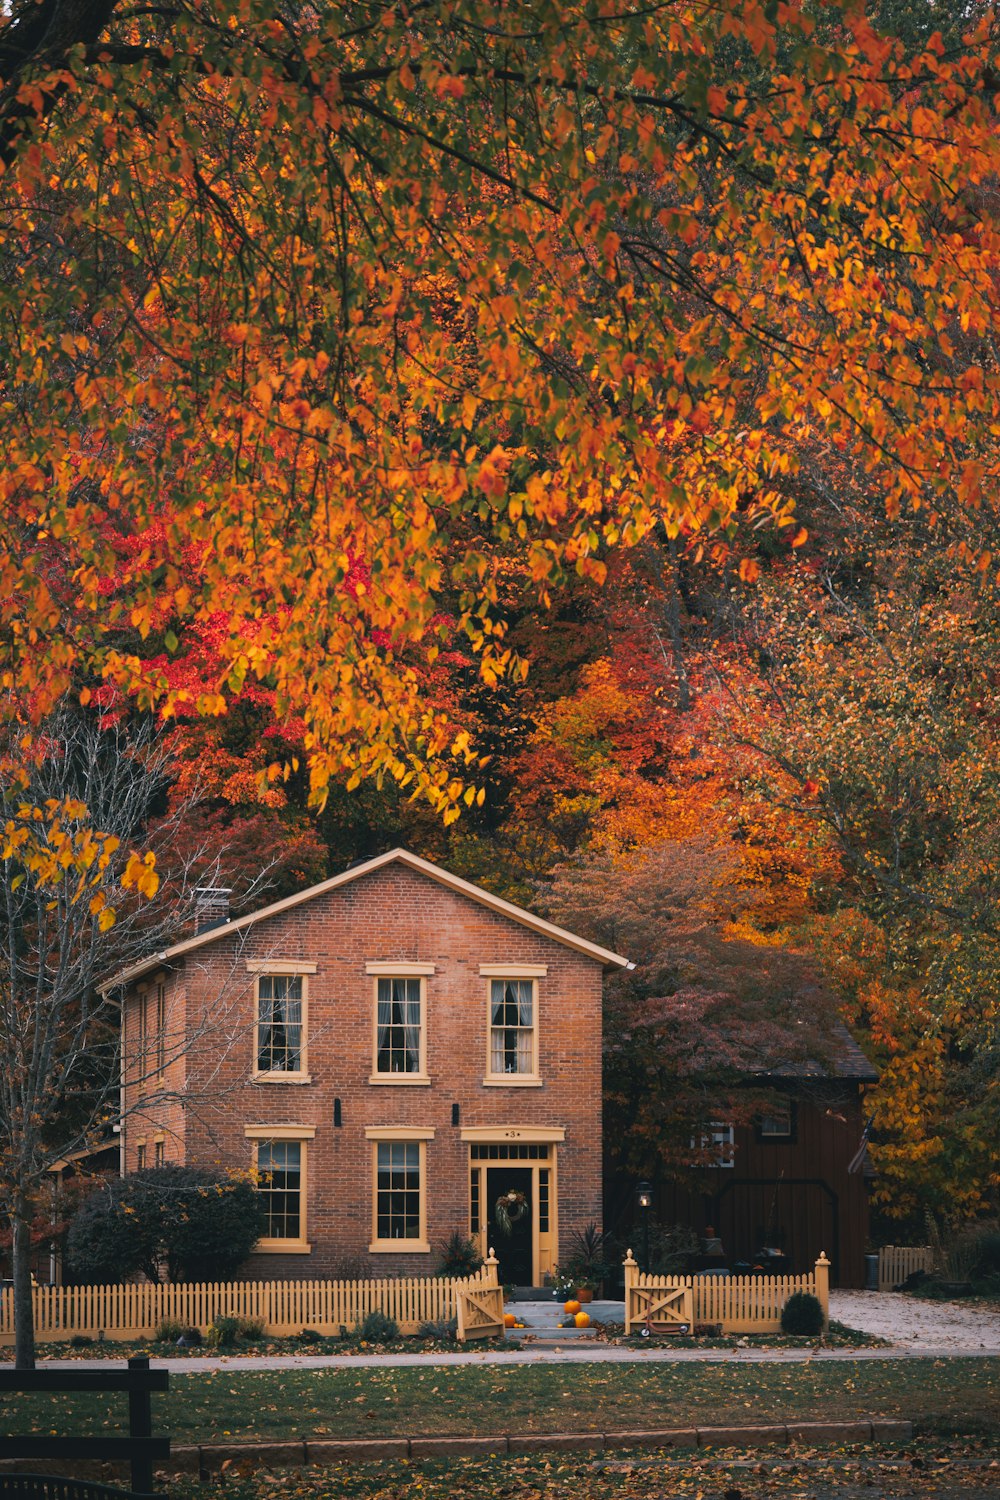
(644, 1202)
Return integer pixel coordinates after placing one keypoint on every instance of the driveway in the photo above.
(920, 1327)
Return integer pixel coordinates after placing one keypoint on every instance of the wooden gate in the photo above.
(661, 1309)
(480, 1313)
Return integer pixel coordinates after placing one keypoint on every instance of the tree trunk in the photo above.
(24, 1312)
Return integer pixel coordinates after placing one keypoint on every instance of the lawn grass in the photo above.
(961, 1470)
(939, 1396)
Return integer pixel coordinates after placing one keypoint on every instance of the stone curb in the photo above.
(207, 1458)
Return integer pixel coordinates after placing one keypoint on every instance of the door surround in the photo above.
(525, 1146)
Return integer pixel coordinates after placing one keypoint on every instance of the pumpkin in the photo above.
(509, 1320)
(582, 1320)
(572, 1306)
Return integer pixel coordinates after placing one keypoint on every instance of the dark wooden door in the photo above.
(514, 1250)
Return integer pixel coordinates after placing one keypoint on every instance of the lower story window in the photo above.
(282, 1158)
(279, 1164)
(399, 1189)
(398, 1213)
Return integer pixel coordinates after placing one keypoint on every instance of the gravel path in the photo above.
(921, 1327)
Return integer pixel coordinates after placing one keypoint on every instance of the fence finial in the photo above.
(629, 1257)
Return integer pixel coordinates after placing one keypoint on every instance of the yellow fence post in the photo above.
(491, 1266)
(631, 1280)
(823, 1287)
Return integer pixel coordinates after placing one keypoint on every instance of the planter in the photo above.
(583, 1294)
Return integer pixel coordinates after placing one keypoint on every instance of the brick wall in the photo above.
(393, 914)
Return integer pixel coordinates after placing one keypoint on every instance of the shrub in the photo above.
(222, 1334)
(169, 1331)
(199, 1225)
(802, 1314)
(440, 1328)
(309, 1336)
(459, 1256)
(253, 1330)
(376, 1327)
(80, 1341)
(189, 1338)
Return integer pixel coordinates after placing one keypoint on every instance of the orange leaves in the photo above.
(330, 301)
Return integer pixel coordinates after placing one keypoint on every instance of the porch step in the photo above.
(543, 1318)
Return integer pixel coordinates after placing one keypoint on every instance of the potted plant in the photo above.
(587, 1263)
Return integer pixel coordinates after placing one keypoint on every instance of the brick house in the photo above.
(392, 1049)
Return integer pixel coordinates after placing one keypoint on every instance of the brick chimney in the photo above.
(211, 907)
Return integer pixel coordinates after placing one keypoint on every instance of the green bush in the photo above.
(802, 1314)
(440, 1328)
(195, 1225)
(459, 1256)
(376, 1327)
(253, 1330)
(223, 1333)
(169, 1331)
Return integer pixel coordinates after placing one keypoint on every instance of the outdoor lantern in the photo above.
(644, 1202)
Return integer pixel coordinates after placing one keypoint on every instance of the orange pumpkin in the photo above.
(509, 1320)
(572, 1306)
(582, 1320)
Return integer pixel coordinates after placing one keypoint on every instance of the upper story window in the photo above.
(161, 1028)
(778, 1123)
(513, 1024)
(281, 1020)
(399, 1043)
(399, 1026)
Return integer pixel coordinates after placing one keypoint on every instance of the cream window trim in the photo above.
(279, 966)
(405, 971)
(296, 1075)
(513, 1081)
(303, 1134)
(531, 1134)
(531, 1076)
(291, 1079)
(400, 970)
(513, 971)
(385, 1136)
(401, 1080)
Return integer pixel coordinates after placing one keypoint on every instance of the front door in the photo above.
(514, 1250)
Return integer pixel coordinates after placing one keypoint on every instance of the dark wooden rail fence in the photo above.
(139, 1449)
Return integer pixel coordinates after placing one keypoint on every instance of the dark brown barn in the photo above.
(793, 1183)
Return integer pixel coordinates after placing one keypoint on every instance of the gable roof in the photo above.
(603, 956)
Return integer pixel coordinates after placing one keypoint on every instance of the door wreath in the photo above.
(509, 1209)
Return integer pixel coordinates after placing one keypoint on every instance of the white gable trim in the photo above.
(475, 893)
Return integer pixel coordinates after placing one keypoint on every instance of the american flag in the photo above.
(857, 1161)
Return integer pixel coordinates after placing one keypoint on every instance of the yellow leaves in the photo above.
(140, 875)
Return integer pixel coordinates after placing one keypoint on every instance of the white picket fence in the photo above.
(736, 1304)
(896, 1262)
(283, 1307)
